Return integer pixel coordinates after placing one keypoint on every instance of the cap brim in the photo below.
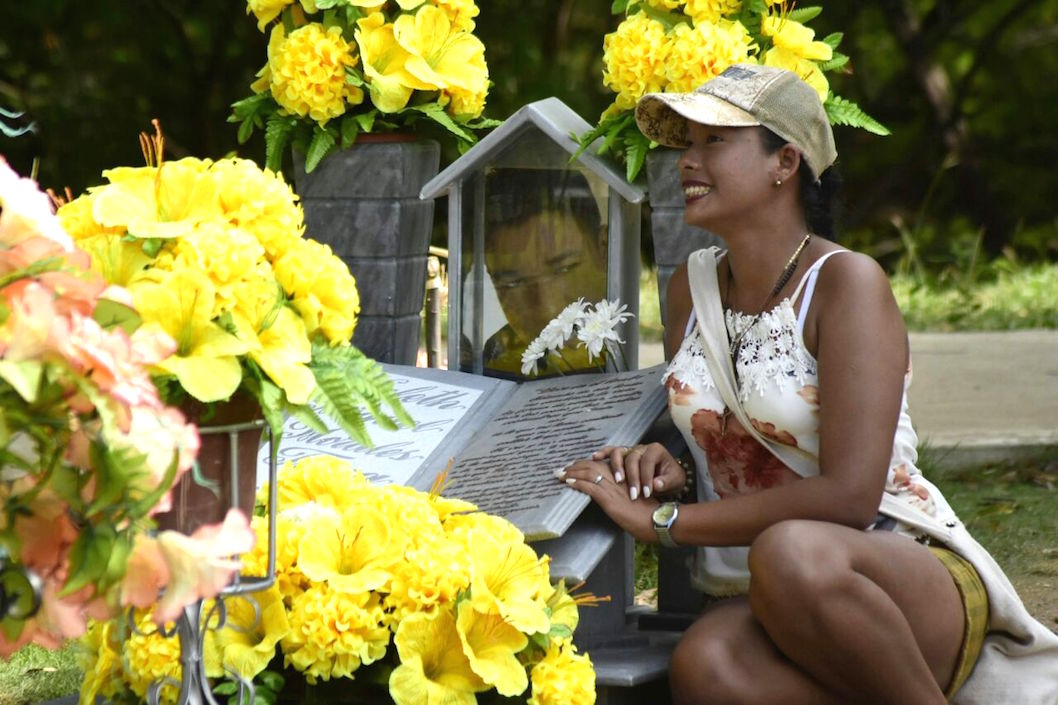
(663, 117)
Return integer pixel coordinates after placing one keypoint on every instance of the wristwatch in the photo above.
(664, 517)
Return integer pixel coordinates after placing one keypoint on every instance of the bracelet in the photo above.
(687, 491)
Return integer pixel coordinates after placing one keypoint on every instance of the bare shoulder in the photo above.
(853, 279)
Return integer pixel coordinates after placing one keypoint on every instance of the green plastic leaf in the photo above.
(836, 62)
(366, 121)
(24, 376)
(436, 113)
(110, 315)
(277, 135)
(618, 7)
(152, 246)
(323, 142)
(805, 14)
(226, 688)
(636, 148)
(245, 130)
(832, 40)
(668, 19)
(271, 680)
(88, 557)
(844, 112)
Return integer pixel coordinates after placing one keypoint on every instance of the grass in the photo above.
(34, 675)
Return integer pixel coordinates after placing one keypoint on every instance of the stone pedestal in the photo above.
(673, 239)
(364, 203)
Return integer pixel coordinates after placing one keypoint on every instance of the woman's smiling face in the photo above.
(726, 173)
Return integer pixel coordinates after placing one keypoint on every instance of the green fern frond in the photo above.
(835, 62)
(277, 135)
(844, 112)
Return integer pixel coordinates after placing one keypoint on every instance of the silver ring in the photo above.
(598, 479)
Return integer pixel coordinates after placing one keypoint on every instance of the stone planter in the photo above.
(673, 239)
(364, 203)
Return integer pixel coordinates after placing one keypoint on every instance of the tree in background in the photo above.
(964, 85)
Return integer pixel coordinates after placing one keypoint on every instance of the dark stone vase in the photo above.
(364, 203)
(673, 239)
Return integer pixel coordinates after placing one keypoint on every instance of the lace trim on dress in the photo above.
(772, 350)
(688, 366)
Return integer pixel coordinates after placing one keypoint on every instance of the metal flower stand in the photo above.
(191, 628)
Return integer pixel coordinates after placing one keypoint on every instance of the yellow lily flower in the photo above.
(491, 645)
(383, 58)
(795, 37)
(353, 554)
(247, 643)
(433, 668)
(441, 56)
(180, 303)
(510, 579)
(284, 354)
(157, 202)
(808, 70)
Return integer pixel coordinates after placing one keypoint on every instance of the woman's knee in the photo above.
(794, 563)
(705, 667)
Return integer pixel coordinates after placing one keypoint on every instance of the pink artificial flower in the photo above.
(33, 325)
(201, 565)
(145, 575)
(158, 433)
(26, 212)
(46, 532)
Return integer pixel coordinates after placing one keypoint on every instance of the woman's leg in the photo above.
(726, 658)
(872, 616)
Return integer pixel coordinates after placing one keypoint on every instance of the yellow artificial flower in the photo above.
(388, 82)
(794, 37)
(634, 59)
(322, 479)
(460, 12)
(260, 202)
(156, 202)
(352, 554)
(99, 658)
(433, 668)
(333, 633)
(147, 657)
(809, 71)
(284, 355)
(407, 5)
(491, 645)
(510, 579)
(321, 288)
(711, 10)
(665, 4)
(697, 54)
(117, 259)
(306, 72)
(564, 611)
(563, 677)
(441, 55)
(228, 256)
(464, 528)
(180, 304)
(265, 10)
(289, 580)
(247, 642)
(430, 578)
(369, 4)
(466, 104)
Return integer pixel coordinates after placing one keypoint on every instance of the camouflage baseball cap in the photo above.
(743, 96)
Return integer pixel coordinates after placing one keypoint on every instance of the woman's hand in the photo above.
(596, 479)
(648, 470)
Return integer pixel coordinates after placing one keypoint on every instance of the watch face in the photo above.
(664, 513)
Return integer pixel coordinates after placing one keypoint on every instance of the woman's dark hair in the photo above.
(819, 197)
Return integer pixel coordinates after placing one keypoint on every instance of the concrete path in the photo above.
(976, 397)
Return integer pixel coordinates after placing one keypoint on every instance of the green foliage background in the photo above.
(964, 86)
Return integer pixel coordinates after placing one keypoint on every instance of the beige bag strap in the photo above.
(705, 295)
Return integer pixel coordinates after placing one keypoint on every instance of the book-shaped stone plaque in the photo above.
(504, 439)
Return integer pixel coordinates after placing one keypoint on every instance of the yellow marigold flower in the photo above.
(389, 83)
(352, 554)
(260, 202)
(711, 10)
(808, 70)
(563, 677)
(333, 633)
(247, 643)
(441, 55)
(306, 72)
(321, 288)
(289, 580)
(466, 104)
(228, 256)
(99, 658)
(634, 59)
(369, 4)
(265, 10)
(795, 37)
(429, 578)
(433, 667)
(491, 645)
(464, 528)
(697, 54)
(148, 657)
(665, 4)
(323, 479)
